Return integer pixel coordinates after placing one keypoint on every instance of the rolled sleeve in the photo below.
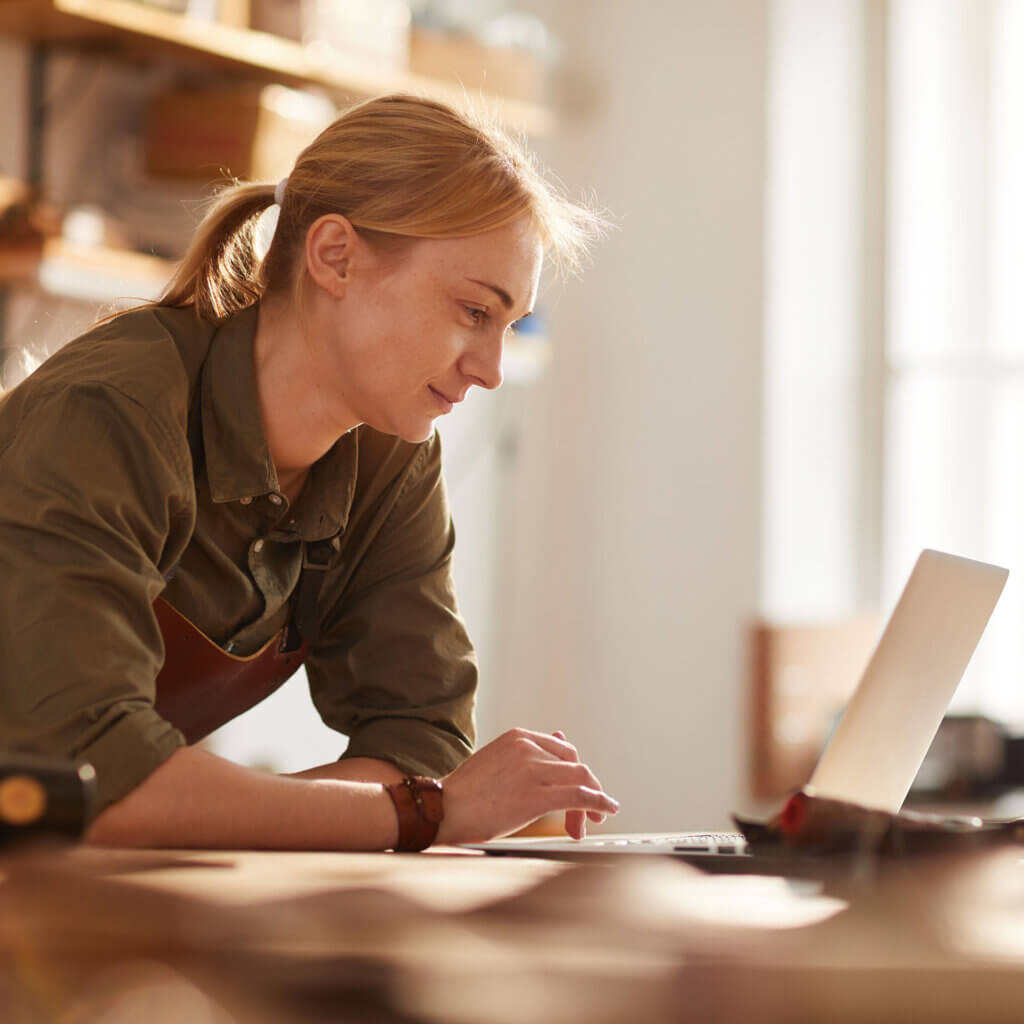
(91, 504)
(131, 744)
(394, 669)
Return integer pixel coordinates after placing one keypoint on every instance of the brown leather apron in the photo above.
(201, 686)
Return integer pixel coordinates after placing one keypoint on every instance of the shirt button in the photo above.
(245, 501)
(257, 546)
(275, 499)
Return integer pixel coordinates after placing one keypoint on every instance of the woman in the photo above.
(199, 495)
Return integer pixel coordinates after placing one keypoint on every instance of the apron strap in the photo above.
(304, 623)
(195, 433)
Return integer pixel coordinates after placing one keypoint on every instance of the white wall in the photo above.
(815, 370)
(631, 558)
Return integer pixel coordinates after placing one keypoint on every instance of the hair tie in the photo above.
(279, 191)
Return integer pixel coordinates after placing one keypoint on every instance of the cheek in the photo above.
(431, 343)
(410, 338)
(402, 360)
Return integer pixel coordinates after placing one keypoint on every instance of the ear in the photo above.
(330, 242)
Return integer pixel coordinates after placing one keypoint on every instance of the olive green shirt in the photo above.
(100, 515)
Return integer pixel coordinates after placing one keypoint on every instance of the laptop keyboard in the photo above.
(717, 842)
(691, 842)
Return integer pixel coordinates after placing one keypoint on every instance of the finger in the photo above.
(556, 773)
(572, 754)
(579, 798)
(560, 748)
(562, 773)
(576, 824)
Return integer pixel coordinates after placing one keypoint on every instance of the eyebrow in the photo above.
(506, 299)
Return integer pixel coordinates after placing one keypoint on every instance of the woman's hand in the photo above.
(514, 780)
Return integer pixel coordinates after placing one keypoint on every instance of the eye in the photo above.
(477, 315)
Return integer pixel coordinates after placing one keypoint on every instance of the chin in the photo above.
(419, 436)
(414, 429)
(414, 433)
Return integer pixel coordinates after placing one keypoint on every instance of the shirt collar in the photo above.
(238, 462)
(323, 507)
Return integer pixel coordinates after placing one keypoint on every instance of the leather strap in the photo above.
(419, 802)
(316, 560)
(201, 686)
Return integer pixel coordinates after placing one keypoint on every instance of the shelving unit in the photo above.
(132, 31)
(135, 30)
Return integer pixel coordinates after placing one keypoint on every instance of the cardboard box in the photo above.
(803, 676)
(373, 33)
(234, 12)
(500, 70)
(247, 131)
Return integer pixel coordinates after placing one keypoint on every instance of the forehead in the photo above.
(510, 257)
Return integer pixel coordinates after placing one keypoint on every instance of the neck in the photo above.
(300, 414)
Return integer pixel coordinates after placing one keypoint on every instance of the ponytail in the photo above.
(220, 274)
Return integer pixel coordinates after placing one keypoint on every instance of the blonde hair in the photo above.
(399, 168)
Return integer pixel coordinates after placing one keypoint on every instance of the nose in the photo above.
(482, 364)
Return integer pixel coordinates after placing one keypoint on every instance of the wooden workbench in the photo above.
(244, 936)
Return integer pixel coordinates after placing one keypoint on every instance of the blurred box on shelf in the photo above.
(227, 12)
(371, 32)
(248, 131)
(174, 6)
(502, 70)
(234, 12)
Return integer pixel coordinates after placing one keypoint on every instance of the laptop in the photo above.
(883, 735)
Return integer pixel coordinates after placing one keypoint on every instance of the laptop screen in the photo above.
(889, 724)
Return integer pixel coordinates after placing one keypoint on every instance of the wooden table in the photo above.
(452, 937)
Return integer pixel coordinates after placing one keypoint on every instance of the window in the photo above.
(954, 350)
(894, 322)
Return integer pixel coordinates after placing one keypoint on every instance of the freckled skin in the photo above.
(422, 322)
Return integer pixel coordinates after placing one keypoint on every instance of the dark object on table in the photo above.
(967, 760)
(813, 824)
(43, 799)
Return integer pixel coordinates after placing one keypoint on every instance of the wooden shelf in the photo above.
(137, 30)
(84, 273)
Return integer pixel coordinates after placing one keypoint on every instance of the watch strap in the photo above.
(419, 804)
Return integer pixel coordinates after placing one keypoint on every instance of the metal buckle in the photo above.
(317, 555)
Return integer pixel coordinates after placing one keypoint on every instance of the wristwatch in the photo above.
(419, 803)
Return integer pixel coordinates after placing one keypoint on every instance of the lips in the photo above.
(446, 403)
